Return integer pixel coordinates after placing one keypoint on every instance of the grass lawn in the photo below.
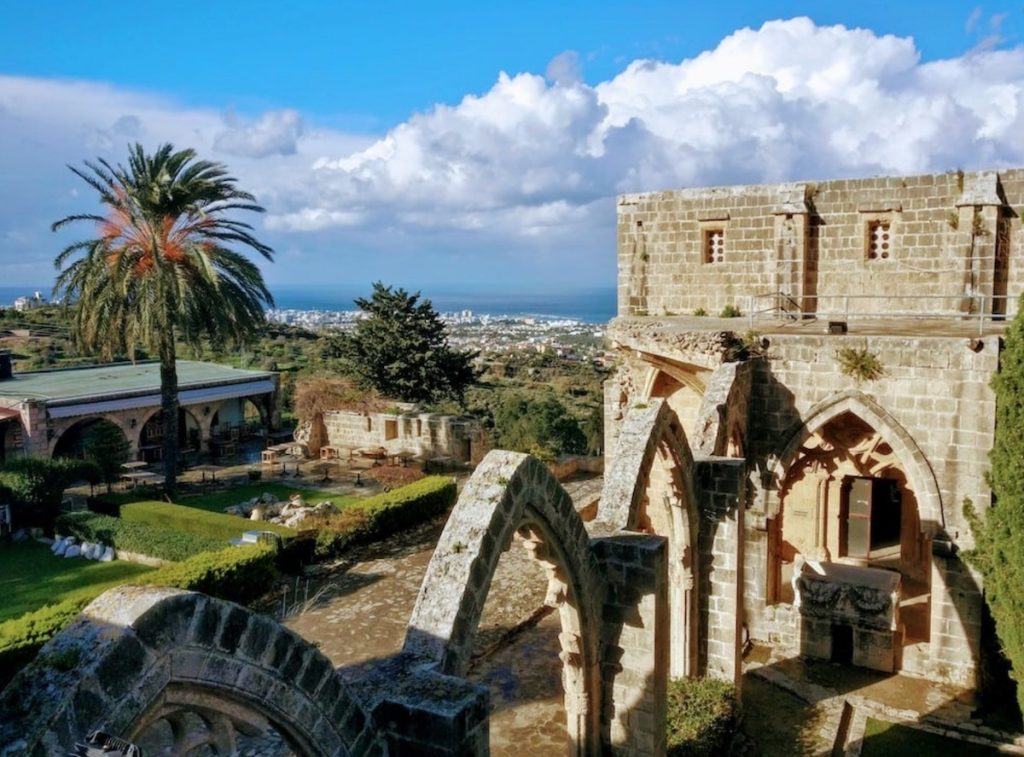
(31, 577)
(217, 501)
(212, 524)
(894, 740)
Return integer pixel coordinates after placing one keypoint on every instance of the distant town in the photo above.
(565, 337)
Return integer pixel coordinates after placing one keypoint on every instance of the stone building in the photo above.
(48, 412)
(402, 429)
(850, 387)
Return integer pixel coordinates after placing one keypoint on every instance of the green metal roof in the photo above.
(117, 378)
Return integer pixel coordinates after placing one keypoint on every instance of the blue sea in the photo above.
(588, 305)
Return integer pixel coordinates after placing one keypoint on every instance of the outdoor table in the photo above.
(140, 477)
(211, 469)
(325, 468)
(269, 456)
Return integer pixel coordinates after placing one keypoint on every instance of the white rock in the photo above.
(57, 544)
(73, 551)
(62, 547)
(108, 555)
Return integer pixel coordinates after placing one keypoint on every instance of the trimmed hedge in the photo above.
(140, 538)
(385, 514)
(238, 574)
(702, 717)
(195, 521)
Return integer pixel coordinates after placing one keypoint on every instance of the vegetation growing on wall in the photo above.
(859, 363)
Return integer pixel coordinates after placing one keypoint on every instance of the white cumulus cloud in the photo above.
(789, 100)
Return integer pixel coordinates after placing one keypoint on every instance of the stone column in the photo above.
(977, 216)
(634, 643)
(791, 223)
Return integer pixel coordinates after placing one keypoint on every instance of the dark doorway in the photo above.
(842, 643)
(872, 516)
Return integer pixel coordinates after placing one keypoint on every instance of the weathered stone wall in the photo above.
(463, 439)
(720, 485)
(811, 240)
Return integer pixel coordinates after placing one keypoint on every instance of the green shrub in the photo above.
(730, 311)
(140, 538)
(700, 312)
(385, 514)
(238, 574)
(220, 526)
(702, 717)
(35, 487)
(21, 638)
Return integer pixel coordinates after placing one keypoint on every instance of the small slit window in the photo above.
(714, 245)
(879, 240)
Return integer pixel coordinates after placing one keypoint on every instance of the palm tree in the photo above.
(160, 267)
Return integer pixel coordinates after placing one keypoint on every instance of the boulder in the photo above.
(62, 546)
(268, 498)
(57, 544)
(258, 513)
(73, 551)
(108, 555)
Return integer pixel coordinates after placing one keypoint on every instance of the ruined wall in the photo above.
(422, 434)
(933, 235)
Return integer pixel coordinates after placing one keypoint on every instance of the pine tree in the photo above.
(400, 349)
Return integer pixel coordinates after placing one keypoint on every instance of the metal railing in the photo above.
(966, 307)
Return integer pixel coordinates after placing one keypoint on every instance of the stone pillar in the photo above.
(720, 484)
(634, 643)
(428, 713)
(978, 209)
(791, 224)
(956, 608)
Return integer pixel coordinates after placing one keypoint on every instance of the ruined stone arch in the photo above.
(649, 488)
(920, 477)
(509, 493)
(146, 654)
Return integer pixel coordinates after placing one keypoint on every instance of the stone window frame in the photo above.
(707, 228)
(871, 220)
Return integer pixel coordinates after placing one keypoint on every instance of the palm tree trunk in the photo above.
(169, 405)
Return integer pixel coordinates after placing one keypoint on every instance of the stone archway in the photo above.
(510, 493)
(849, 443)
(920, 477)
(68, 443)
(649, 489)
(142, 656)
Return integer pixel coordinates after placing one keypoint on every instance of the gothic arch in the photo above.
(510, 493)
(145, 655)
(649, 488)
(920, 477)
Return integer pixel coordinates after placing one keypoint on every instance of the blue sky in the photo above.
(483, 144)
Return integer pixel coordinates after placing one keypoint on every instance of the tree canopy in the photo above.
(1000, 533)
(539, 425)
(161, 265)
(400, 349)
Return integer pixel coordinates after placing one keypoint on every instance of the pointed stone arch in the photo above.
(649, 488)
(920, 476)
(145, 656)
(513, 493)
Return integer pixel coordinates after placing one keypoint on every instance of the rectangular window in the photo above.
(714, 245)
(879, 240)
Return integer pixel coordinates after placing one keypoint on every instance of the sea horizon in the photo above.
(589, 305)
